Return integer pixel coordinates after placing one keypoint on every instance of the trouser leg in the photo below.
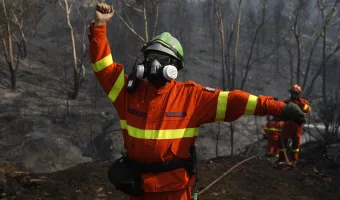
(173, 195)
(283, 142)
(295, 147)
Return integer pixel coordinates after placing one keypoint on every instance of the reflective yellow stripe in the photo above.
(251, 105)
(221, 106)
(159, 134)
(306, 107)
(117, 87)
(123, 124)
(295, 150)
(102, 63)
(272, 129)
(282, 149)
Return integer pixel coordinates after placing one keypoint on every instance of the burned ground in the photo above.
(256, 179)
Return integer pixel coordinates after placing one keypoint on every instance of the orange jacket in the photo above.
(273, 128)
(292, 128)
(161, 125)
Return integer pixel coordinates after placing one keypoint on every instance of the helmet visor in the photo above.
(163, 59)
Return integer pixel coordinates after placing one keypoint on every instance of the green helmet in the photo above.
(167, 44)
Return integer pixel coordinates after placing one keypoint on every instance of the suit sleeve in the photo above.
(228, 106)
(287, 101)
(109, 74)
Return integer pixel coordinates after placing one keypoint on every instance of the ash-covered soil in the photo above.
(256, 179)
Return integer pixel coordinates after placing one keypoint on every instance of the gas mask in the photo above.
(156, 68)
(294, 95)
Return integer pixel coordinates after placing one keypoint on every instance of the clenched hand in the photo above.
(102, 13)
(292, 112)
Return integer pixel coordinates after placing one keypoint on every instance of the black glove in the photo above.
(292, 112)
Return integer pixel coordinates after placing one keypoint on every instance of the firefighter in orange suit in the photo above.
(291, 129)
(273, 130)
(160, 117)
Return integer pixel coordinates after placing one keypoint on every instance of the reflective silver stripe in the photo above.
(251, 105)
(117, 87)
(221, 106)
(102, 63)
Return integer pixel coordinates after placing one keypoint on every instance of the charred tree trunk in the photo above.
(233, 83)
(78, 68)
(13, 78)
(8, 47)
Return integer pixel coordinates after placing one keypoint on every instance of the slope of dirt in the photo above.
(256, 179)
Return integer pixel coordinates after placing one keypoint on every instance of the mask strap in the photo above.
(132, 78)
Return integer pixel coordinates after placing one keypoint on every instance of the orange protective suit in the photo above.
(160, 125)
(293, 131)
(273, 130)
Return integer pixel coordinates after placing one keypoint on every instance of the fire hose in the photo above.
(224, 174)
(234, 167)
(284, 148)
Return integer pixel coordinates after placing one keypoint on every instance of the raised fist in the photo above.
(102, 13)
